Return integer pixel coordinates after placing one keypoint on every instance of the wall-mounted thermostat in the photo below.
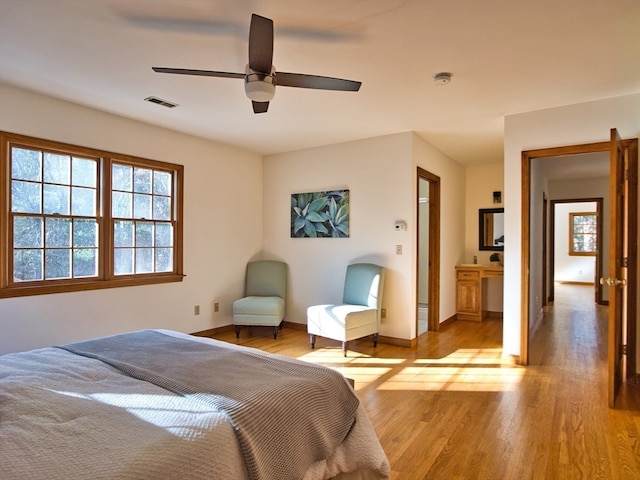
(400, 225)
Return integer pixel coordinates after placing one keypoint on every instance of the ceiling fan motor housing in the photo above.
(259, 87)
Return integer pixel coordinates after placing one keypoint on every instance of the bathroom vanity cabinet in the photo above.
(471, 290)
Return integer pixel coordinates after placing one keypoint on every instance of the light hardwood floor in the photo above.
(455, 408)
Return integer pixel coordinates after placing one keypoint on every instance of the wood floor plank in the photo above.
(455, 408)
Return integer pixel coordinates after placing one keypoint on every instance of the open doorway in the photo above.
(423, 257)
(577, 244)
(622, 258)
(428, 255)
(572, 172)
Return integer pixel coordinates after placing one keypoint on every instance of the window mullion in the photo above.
(106, 222)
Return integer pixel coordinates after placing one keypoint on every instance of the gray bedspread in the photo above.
(287, 415)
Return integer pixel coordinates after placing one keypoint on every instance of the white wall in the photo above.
(380, 174)
(222, 229)
(569, 125)
(373, 171)
(452, 217)
(539, 185)
(482, 181)
(571, 268)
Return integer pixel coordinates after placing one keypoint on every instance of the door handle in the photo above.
(613, 282)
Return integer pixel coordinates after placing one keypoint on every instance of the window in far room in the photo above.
(583, 233)
(79, 219)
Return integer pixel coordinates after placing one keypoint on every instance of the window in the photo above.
(78, 219)
(583, 233)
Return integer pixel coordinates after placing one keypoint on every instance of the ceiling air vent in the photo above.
(160, 101)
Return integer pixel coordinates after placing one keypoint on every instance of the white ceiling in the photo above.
(506, 57)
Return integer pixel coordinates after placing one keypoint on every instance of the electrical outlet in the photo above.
(216, 307)
(196, 309)
(383, 313)
(398, 249)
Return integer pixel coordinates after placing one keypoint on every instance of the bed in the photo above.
(158, 404)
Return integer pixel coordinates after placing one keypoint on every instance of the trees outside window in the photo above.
(583, 233)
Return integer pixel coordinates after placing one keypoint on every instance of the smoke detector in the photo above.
(442, 78)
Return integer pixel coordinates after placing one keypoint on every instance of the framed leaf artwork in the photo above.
(320, 214)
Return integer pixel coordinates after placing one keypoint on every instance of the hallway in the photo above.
(574, 332)
(574, 329)
(570, 347)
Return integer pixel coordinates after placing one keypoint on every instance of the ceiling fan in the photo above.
(261, 77)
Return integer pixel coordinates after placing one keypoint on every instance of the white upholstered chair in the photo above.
(359, 313)
(265, 293)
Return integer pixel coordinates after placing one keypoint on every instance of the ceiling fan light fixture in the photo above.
(259, 87)
(442, 78)
(259, 90)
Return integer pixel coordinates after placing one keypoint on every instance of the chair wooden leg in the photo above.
(344, 348)
(375, 339)
(275, 332)
(312, 340)
(237, 331)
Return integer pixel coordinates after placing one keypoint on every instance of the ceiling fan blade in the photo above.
(260, 44)
(314, 81)
(260, 107)
(202, 73)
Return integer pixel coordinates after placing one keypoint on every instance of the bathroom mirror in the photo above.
(491, 228)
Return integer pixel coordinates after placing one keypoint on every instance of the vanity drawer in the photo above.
(468, 275)
(493, 273)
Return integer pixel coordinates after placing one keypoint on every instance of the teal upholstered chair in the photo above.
(359, 313)
(264, 301)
